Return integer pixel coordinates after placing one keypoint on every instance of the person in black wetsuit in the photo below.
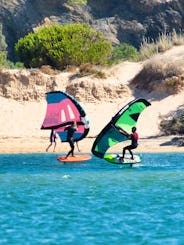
(52, 140)
(70, 131)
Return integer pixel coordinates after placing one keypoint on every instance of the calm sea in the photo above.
(44, 201)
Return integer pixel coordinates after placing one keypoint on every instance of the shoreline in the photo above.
(157, 144)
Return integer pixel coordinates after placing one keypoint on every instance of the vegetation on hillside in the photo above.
(148, 49)
(4, 62)
(60, 46)
(123, 52)
(73, 2)
(161, 76)
(173, 126)
(78, 44)
(165, 41)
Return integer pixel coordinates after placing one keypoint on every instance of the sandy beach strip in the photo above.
(10, 145)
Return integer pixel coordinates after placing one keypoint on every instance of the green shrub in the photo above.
(8, 64)
(18, 65)
(3, 60)
(60, 46)
(124, 52)
(73, 2)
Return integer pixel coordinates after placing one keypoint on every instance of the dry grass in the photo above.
(89, 69)
(49, 70)
(165, 41)
(173, 126)
(86, 69)
(159, 75)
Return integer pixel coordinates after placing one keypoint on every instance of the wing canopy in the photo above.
(61, 110)
(125, 119)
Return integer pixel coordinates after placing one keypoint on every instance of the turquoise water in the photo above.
(44, 201)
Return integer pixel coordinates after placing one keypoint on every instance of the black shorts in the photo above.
(131, 147)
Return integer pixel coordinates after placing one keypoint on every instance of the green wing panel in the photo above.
(108, 137)
(125, 119)
(128, 118)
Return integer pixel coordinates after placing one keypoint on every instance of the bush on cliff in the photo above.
(174, 125)
(124, 52)
(60, 46)
(73, 2)
(5, 63)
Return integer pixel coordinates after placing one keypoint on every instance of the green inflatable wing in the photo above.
(125, 119)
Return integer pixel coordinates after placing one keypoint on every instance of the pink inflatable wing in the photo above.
(62, 110)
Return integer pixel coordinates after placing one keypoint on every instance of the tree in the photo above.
(59, 46)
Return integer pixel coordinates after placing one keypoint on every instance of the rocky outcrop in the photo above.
(135, 19)
(121, 21)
